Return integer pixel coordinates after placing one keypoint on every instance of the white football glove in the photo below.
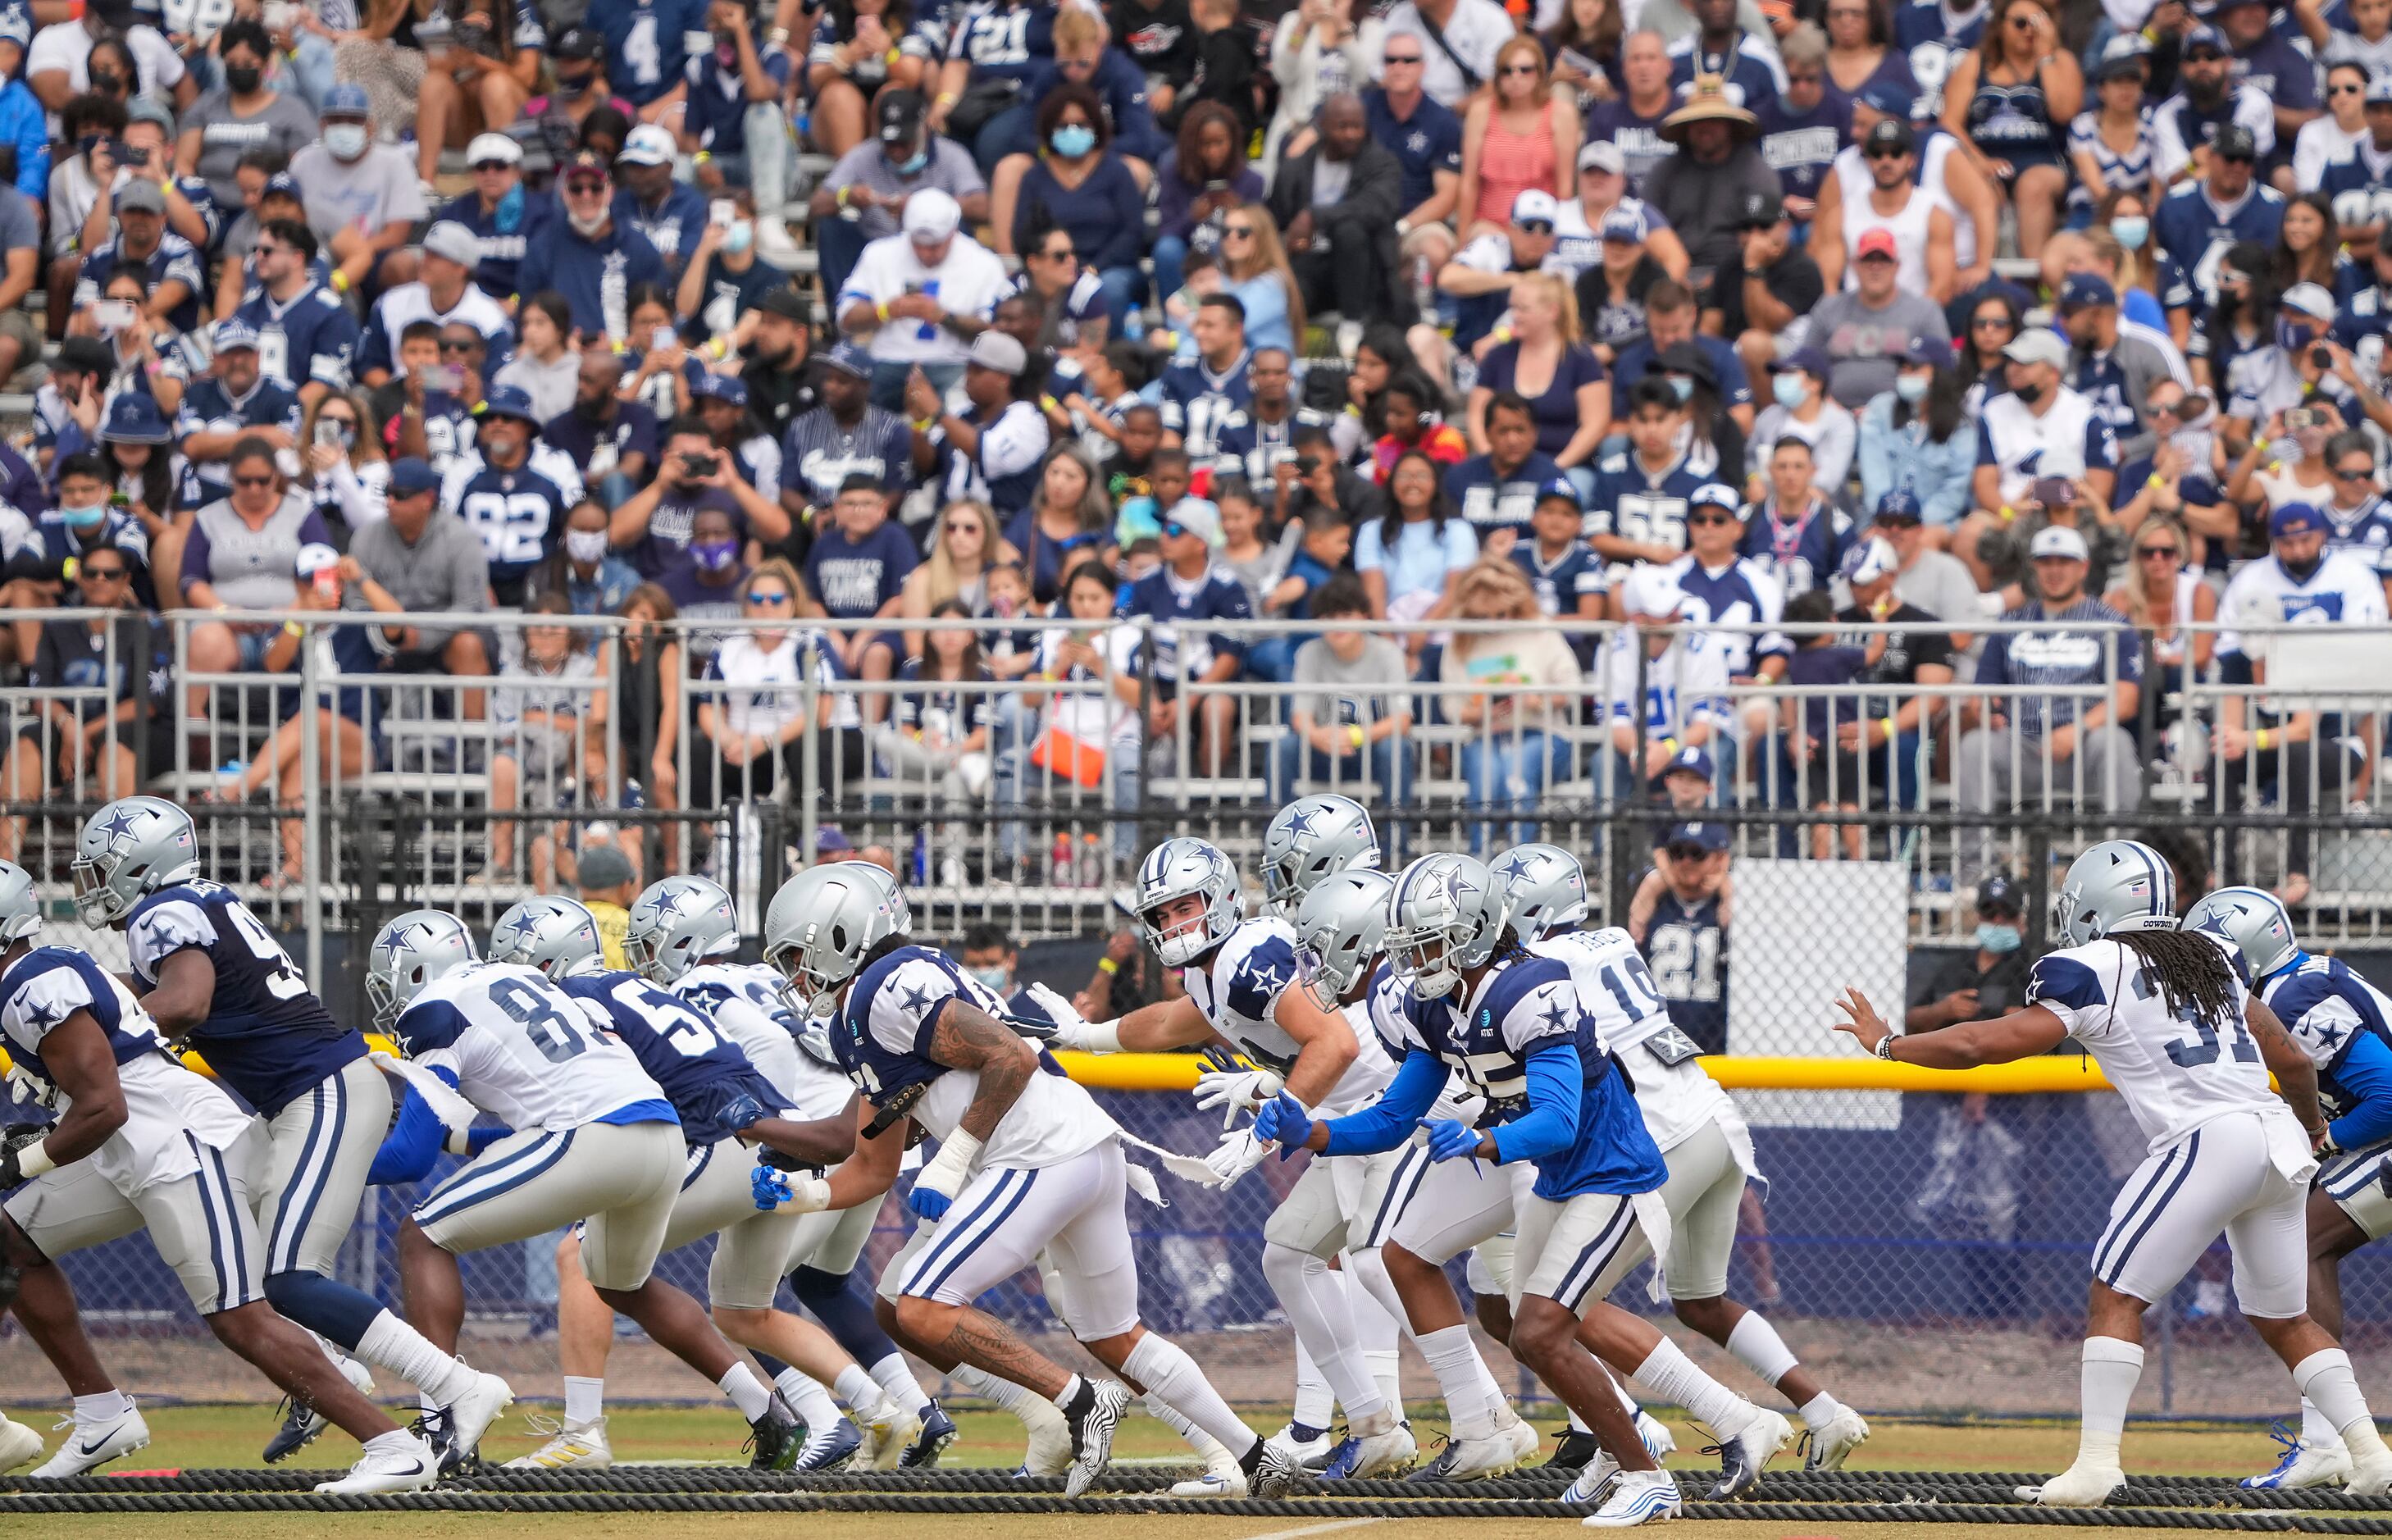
(1239, 1153)
(1085, 1037)
(1056, 1005)
(1235, 1091)
(936, 1186)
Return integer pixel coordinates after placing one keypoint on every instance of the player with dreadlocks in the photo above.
(2169, 1016)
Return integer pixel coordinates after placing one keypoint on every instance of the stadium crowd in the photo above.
(1184, 313)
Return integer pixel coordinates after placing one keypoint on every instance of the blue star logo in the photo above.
(1300, 822)
(1455, 888)
(401, 940)
(523, 925)
(2330, 1036)
(42, 1017)
(668, 903)
(1513, 870)
(119, 822)
(917, 999)
(2214, 925)
(1554, 1015)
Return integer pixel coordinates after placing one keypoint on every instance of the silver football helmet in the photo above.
(410, 952)
(822, 925)
(21, 914)
(1340, 928)
(1311, 839)
(129, 849)
(2253, 919)
(1445, 914)
(1175, 870)
(559, 936)
(677, 923)
(1545, 889)
(2117, 885)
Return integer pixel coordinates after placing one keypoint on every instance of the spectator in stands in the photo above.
(645, 665)
(1082, 183)
(1562, 568)
(1858, 55)
(362, 198)
(1866, 331)
(1793, 528)
(2009, 100)
(1800, 407)
(724, 278)
(845, 435)
(433, 564)
(750, 459)
(101, 739)
(242, 553)
(2220, 206)
(1339, 205)
(135, 441)
(1557, 377)
(1670, 319)
(1803, 125)
(232, 405)
(1082, 57)
(1254, 272)
(1316, 51)
(585, 254)
(343, 466)
(44, 562)
(654, 524)
(2011, 739)
(991, 451)
(1638, 511)
(2115, 364)
(1683, 700)
(2160, 592)
(1916, 437)
(2290, 367)
(1611, 291)
(267, 193)
(1517, 137)
(308, 339)
(1631, 118)
(543, 366)
(1482, 273)
(860, 200)
(737, 128)
(1757, 295)
(710, 587)
(1180, 597)
(613, 440)
(2309, 243)
(546, 704)
(668, 213)
(245, 113)
(1893, 729)
(500, 210)
(1460, 56)
(1522, 687)
(1349, 718)
(776, 340)
(77, 385)
(1497, 490)
(896, 279)
(590, 577)
(166, 262)
(1894, 205)
(2037, 414)
(2113, 144)
(1413, 556)
(1425, 138)
(857, 570)
(957, 566)
(858, 54)
(2170, 482)
(938, 739)
(1069, 521)
(2208, 98)
(1701, 189)
(1089, 733)
(57, 64)
(1931, 578)
(515, 497)
(751, 715)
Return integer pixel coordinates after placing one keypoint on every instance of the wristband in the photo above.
(34, 1160)
(1887, 723)
(2008, 513)
(1885, 1047)
(701, 157)
(1354, 736)
(944, 98)
(778, 34)
(340, 281)
(292, 627)
(839, 199)
(2156, 481)
(1671, 744)
(880, 311)
(2260, 739)
(1403, 227)
(1107, 966)
(923, 424)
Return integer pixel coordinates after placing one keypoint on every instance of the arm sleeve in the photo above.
(2366, 1074)
(1388, 1121)
(1555, 1082)
(413, 1142)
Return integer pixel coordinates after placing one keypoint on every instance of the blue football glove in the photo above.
(1451, 1139)
(799, 1192)
(928, 1202)
(769, 1187)
(1285, 1120)
(943, 1176)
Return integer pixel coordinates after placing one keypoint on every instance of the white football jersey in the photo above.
(744, 1000)
(522, 1049)
(170, 1113)
(896, 1002)
(2175, 1071)
(1615, 988)
(1240, 993)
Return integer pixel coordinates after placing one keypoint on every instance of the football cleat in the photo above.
(2302, 1464)
(1592, 1479)
(1524, 1439)
(1092, 1435)
(887, 1428)
(2078, 1486)
(571, 1448)
(300, 1424)
(1380, 1453)
(1482, 1459)
(1439, 1468)
(88, 1448)
(2371, 1473)
(936, 1431)
(1050, 1438)
(19, 1444)
(1274, 1471)
(1661, 1443)
(1573, 1449)
(1223, 1477)
(777, 1436)
(1639, 1497)
(1311, 1454)
(471, 1415)
(1743, 1458)
(1831, 1445)
(410, 1469)
(831, 1448)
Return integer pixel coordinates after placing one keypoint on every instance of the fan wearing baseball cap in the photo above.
(1482, 273)
(2117, 363)
(500, 221)
(1770, 282)
(1864, 329)
(586, 254)
(2038, 419)
(2222, 208)
(1918, 652)
(445, 293)
(920, 298)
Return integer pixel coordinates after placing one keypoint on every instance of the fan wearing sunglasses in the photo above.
(2160, 592)
(2176, 481)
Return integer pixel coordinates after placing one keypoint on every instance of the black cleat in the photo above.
(300, 1424)
(1572, 1450)
(777, 1438)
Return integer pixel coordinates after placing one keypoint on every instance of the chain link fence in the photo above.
(1926, 1252)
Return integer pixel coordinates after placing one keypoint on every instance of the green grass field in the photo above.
(189, 1437)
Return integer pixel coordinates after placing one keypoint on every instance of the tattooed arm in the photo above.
(968, 1037)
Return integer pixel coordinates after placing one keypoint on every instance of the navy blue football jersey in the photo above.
(1687, 948)
(701, 1071)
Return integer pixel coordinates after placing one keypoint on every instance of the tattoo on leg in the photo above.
(980, 1339)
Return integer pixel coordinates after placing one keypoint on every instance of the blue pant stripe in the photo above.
(473, 1172)
(963, 1253)
(1596, 1256)
(2109, 1240)
(292, 1222)
(2118, 1265)
(233, 1228)
(215, 1227)
(448, 1205)
(1409, 1173)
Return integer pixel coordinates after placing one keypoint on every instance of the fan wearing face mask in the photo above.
(725, 278)
(362, 198)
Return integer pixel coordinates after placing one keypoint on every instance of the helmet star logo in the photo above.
(119, 823)
(1299, 821)
(1456, 888)
(1513, 870)
(668, 903)
(400, 940)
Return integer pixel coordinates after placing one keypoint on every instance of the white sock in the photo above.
(2316, 1431)
(1460, 1377)
(1316, 1403)
(585, 1400)
(2324, 1378)
(1820, 1410)
(1164, 1368)
(1205, 1445)
(106, 1407)
(896, 1376)
(1069, 1393)
(408, 1353)
(1758, 1347)
(746, 1392)
(853, 1388)
(1381, 1336)
(1316, 1303)
(398, 1440)
(1002, 1393)
(1671, 1376)
(1386, 1373)
(811, 1403)
(2112, 1366)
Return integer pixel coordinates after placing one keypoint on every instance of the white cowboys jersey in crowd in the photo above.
(1239, 996)
(522, 1049)
(743, 1000)
(2175, 1072)
(886, 1023)
(1632, 1021)
(170, 1112)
